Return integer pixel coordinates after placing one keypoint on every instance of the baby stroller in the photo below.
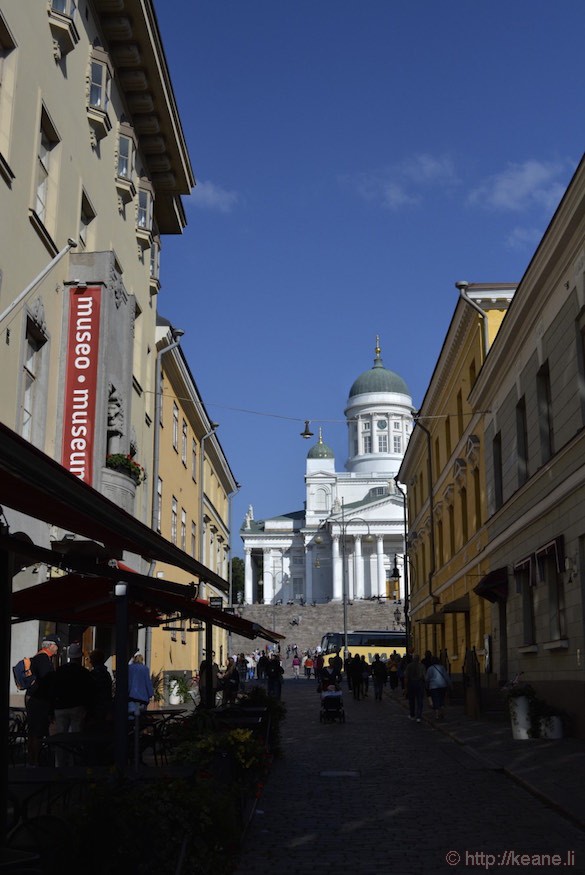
(331, 705)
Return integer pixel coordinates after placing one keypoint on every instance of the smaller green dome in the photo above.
(320, 450)
(378, 379)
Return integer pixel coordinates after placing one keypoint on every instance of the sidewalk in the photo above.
(553, 771)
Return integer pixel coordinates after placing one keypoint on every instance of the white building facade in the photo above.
(350, 533)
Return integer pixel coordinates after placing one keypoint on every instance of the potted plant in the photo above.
(179, 689)
(531, 717)
(126, 464)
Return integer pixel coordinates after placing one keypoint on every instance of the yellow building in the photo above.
(192, 483)
(444, 472)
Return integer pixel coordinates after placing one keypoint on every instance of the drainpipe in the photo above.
(463, 285)
(70, 245)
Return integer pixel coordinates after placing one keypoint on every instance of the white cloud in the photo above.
(208, 196)
(524, 238)
(404, 184)
(523, 186)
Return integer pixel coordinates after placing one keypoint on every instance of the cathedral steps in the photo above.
(305, 625)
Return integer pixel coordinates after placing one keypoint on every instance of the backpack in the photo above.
(23, 674)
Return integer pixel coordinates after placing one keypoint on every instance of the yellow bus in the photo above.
(366, 642)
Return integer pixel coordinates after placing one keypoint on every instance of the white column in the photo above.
(308, 574)
(380, 558)
(248, 577)
(359, 568)
(337, 571)
(268, 578)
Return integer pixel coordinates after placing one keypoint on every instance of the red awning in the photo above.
(89, 601)
(34, 484)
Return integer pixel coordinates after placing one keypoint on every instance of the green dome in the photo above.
(378, 379)
(320, 450)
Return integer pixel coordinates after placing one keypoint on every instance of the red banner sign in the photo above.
(81, 382)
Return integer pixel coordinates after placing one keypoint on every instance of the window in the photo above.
(550, 571)
(526, 585)
(174, 519)
(183, 529)
(464, 519)
(184, 443)
(545, 417)
(86, 217)
(125, 157)
(396, 425)
(440, 543)
(159, 495)
(193, 538)
(367, 443)
(451, 513)
(33, 392)
(397, 442)
(7, 89)
(382, 443)
(472, 374)
(46, 169)
(498, 473)
(522, 442)
(367, 426)
(460, 412)
(448, 436)
(155, 259)
(175, 426)
(437, 455)
(99, 85)
(194, 459)
(477, 498)
(65, 7)
(144, 218)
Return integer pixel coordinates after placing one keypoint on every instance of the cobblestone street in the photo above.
(383, 794)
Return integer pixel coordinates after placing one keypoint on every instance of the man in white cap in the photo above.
(37, 699)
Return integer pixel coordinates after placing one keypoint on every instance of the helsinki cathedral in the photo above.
(350, 532)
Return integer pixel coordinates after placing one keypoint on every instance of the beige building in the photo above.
(192, 485)
(532, 391)
(93, 164)
(444, 471)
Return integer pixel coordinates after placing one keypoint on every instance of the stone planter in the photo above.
(520, 716)
(551, 727)
(119, 488)
(174, 695)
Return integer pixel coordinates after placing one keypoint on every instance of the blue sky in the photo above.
(354, 158)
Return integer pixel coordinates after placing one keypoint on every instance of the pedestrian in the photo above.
(308, 666)
(296, 665)
(214, 674)
(262, 665)
(414, 677)
(103, 682)
(37, 700)
(379, 676)
(355, 671)
(428, 659)
(140, 690)
(74, 696)
(437, 683)
(337, 665)
(319, 666)
(274, 673)
(242, 669)
(366, 672)
(347, 662)
(393, 664)
(230, 682)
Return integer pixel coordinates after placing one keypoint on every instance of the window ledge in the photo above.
(126, 189)
(65, 34)
(39, 227)
(6, 170)
(528, 648)
(154, 285)
(99, 121)
(558, 644)
(144, 237)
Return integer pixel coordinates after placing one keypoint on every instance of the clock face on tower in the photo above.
(382, 424)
